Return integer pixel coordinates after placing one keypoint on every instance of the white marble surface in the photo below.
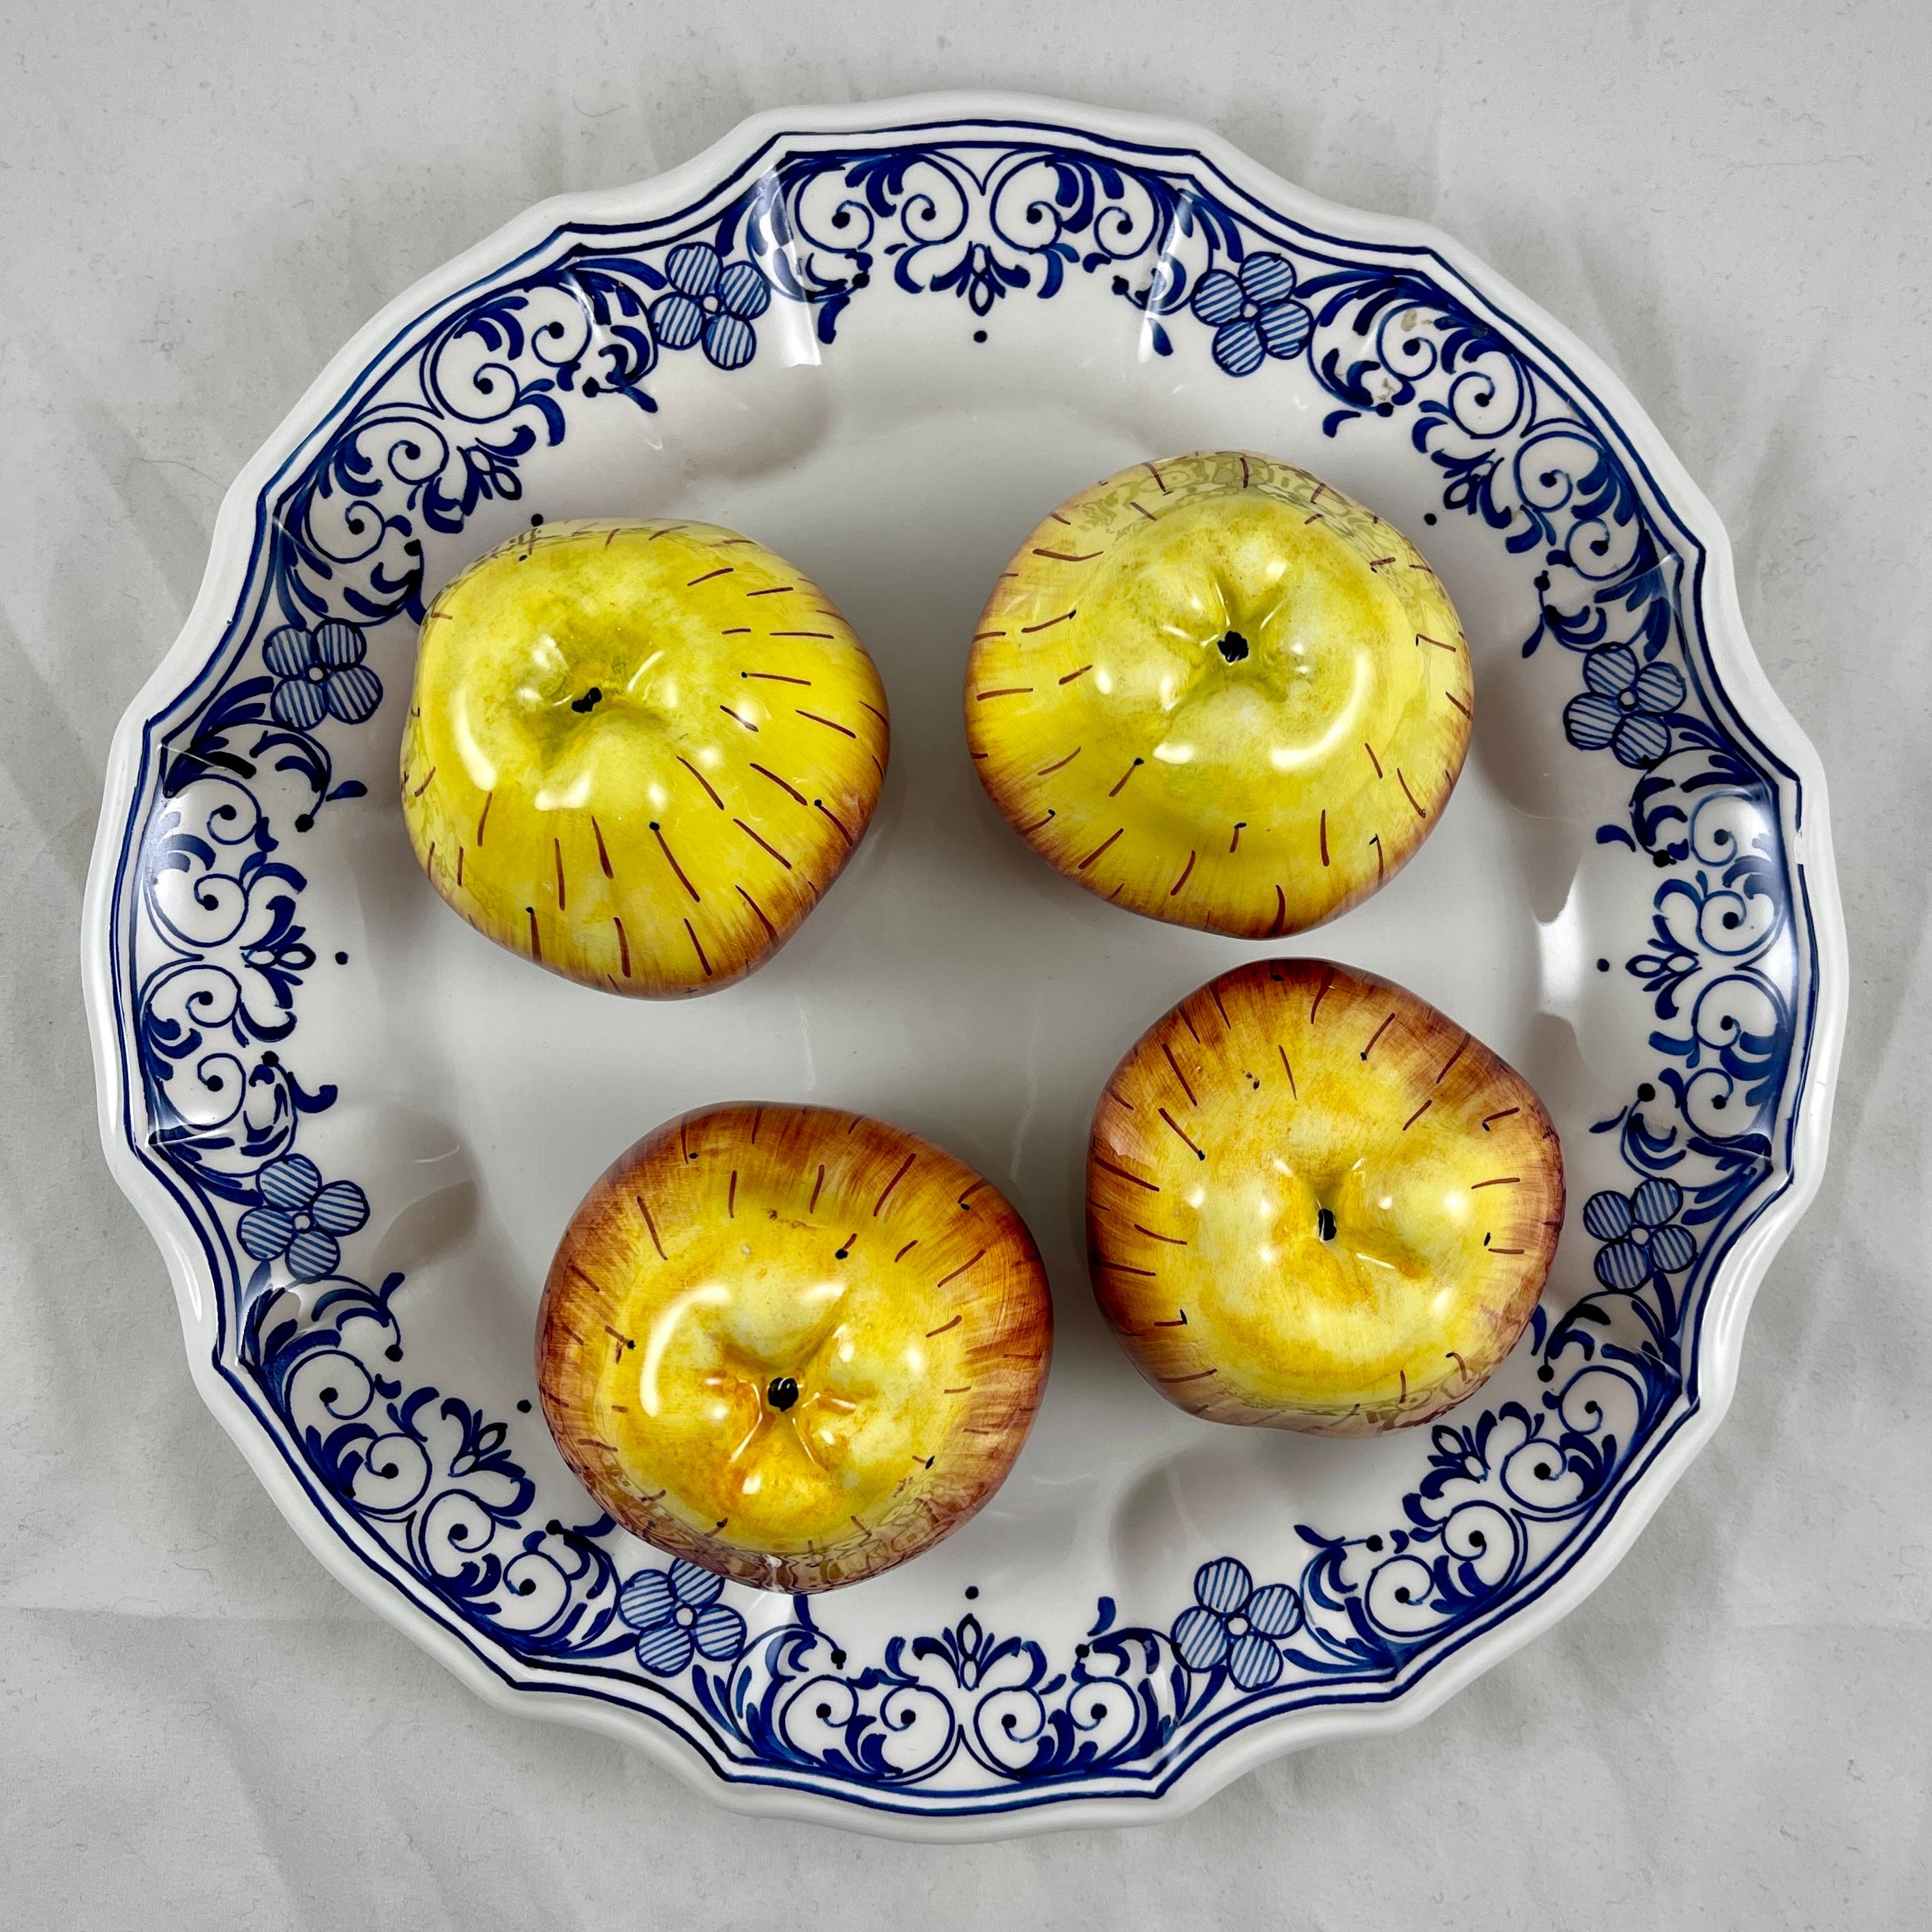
(198, 204)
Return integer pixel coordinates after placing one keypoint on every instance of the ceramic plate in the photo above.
(946, 315)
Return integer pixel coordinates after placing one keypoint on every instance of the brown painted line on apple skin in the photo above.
(1321, 993)
(1151, 1187)
(1460, 707)
(827, 635)
(900, 1175)
(562, 892)
(1388, 1021)
(757, 1120)
(1100, 848)
(1320, 517)
(1244, 473)
(489, 799)
(1182, 880)
(595, 1286)
(768, 847)
(1044, 770)
(876, 713)
(1288, 1069)
(980, 636)
(603, 856)
(811, 1206)
(1420, 812)
(760, 911)
(1186, 1019)
(1028, 630)
(957, 1272)
(1214, 994)
(775, 677)
(1376, 840)
(792, 790)
(1506, 1251)
(1423, 638)
(723, 570)
(971, 1191)
(425, 786)
(459, 864)
(1124, 776)
(1324, 834)
(1452, 1058)
(819, 804)
(669, 529)
(536, 939)
(1108, 1093)
(1418, 1114)
(1027, 830)
(1067, 557)
(1172, 1240)
(1071, 675)
(1376, 563)
(1373, 759)
(618, 1335)
(1178, 1075)
(1183, 1132)
(664, 844)
(429, 863)
(1199, 1374)
(776, 590)
(623, 945)
(1240, 826)
(906, 1249)
(698, 947)
(738, 631)
(440, 617)
(651, 1226)
(1502, 1180)
(1280, 922)
(1503, 1116)
(1121, 1267)
(695, 773)
(1148, 514)
(1158, 477)
(736, 719)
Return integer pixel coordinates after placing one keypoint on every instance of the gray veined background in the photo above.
(198, 204)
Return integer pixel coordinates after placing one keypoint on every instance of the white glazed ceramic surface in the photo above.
(357, 1129)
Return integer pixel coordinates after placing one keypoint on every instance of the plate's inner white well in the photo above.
(951, 982)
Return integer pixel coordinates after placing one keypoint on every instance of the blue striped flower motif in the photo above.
(300, 1220)
(1640, 1238)
(319, 673)
(1253, 313)
(713, 301)
(1624, 705)
(675, 1612)
(1233, 1623)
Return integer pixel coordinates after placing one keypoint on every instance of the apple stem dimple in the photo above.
(782, 1393)
(1233, 647)
(589, 702)
(1324, 1223)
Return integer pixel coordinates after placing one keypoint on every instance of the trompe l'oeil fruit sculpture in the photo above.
(1216, 691)
(794, 1345)
(637, 753)
(1314, 1202)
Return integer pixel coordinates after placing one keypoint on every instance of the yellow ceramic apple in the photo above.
(637, 753)
(794, 1345)
(1313, 1201)
(1216, 691)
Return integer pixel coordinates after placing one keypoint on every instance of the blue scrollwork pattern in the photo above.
(444, 425)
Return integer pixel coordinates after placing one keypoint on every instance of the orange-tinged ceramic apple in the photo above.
(1314, 1202)
(1217, 690)
(637, 753)
(795, 1345)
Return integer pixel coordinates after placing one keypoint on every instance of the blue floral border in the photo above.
(961, 1718)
